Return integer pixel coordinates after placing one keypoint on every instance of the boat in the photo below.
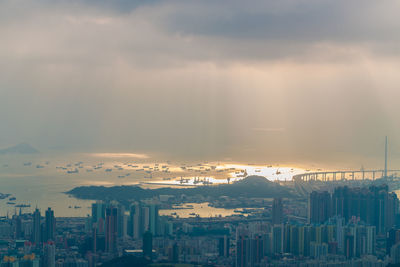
(11, 203)
(12, 198)
(73, 171)
(23, 206)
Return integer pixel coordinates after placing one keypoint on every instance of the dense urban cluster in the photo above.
(347, 227)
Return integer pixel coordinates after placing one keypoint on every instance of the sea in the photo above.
(41, 181)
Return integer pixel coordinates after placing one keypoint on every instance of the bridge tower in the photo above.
(386, 156)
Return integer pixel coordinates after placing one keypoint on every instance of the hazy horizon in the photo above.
(312, 82)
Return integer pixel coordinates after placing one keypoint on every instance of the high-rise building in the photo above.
(49, 256)
(395, 254)
(17, 223)
(349, 246)
(111, 232)
(175, 252)
(277, 239)
(242, 250)
(153, 218)
(50, 225)
(318, 251)
(121, 220)
(250, 248)
(277, 211)
(148, 245)
(257, 247)
(223, 246)
(372, 205)
(340, 233)
(319, 207)
(294, 240)
(36, 229)
(135, 222)
(144, 217)
(98, 215)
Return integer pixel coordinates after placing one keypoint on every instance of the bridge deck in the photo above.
(342, 175)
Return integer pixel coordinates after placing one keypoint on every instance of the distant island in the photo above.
(250, 187)
(22, 148)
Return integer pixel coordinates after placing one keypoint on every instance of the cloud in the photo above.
(269, 130)
(196, 79)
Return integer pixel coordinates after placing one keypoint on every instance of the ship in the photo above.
(73, 171)
(23, 206)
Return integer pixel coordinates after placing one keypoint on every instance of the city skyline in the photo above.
(194, 133)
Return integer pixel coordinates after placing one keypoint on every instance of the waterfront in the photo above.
(40, 180)
(199, 209)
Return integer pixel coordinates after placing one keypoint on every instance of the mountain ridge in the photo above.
(21, 148)
(249, 187)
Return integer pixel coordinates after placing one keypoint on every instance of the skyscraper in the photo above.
(36, 229)
(319, 207)
(349, 246)
(98, 215)
(149, 217)
(223, 246)
(153, 218)
(111, 229)
(17, 222)
(134, 224)
(147, 245)
(242, 250)
(50, 225)
(277, 239)
(277, 211)
(49, 256)
(373, 205)
(121, 220)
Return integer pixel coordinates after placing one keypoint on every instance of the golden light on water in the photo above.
(120, 155)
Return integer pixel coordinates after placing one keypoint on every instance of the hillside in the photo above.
(250, 187)
(22, 148)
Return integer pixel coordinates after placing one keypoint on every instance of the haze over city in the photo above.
(195, 133)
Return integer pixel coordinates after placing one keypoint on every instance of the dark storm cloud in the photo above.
(288, 20)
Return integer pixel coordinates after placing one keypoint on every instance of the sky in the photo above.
(307, 81)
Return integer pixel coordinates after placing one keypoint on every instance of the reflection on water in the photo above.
(199, 209)
(40, 180)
